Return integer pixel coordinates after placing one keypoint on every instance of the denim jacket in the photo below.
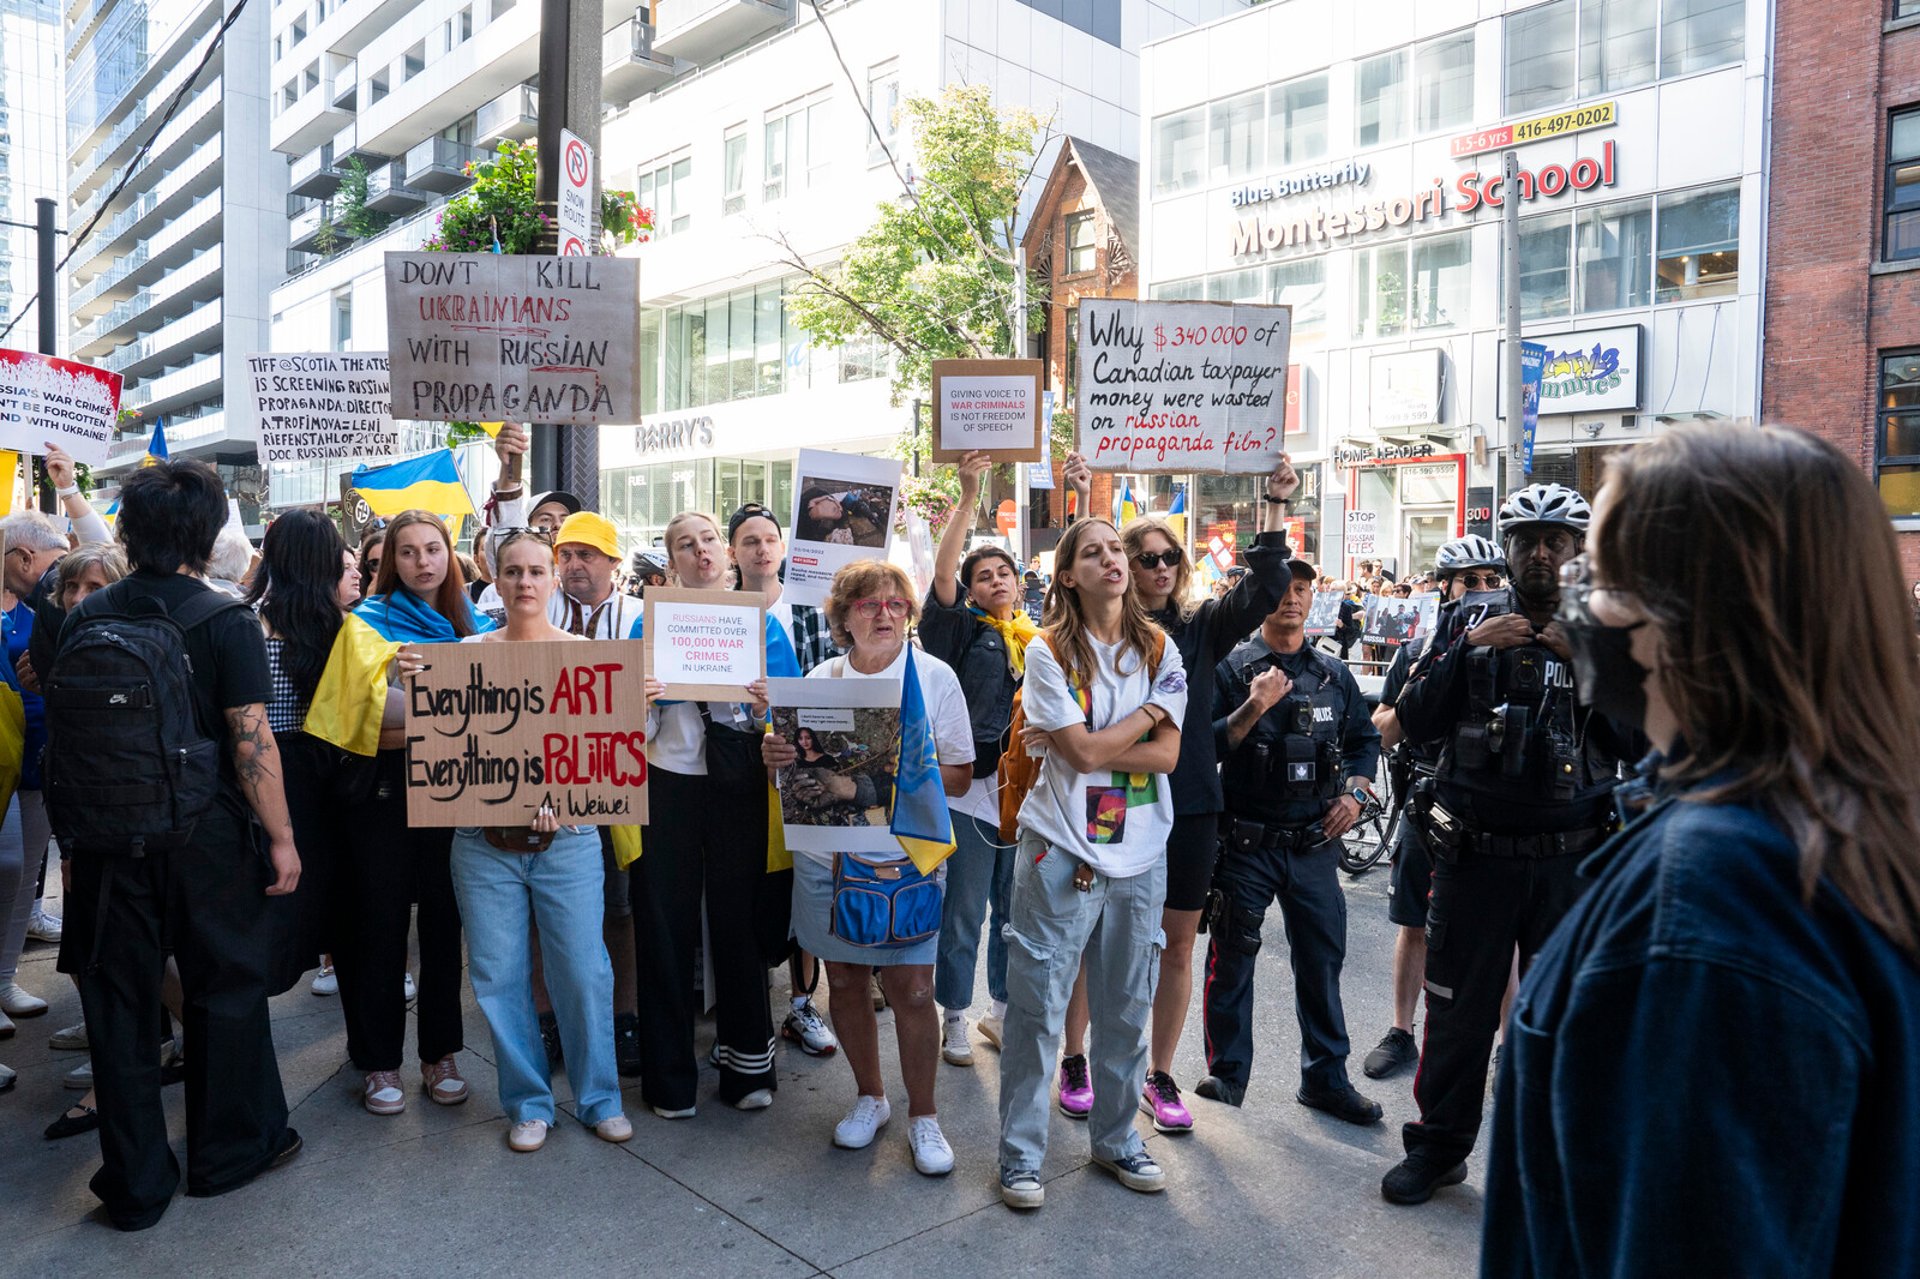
(1706, 1076)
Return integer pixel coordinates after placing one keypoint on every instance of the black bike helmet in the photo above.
(1545, 504)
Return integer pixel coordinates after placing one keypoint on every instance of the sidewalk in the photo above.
(1273, 1189)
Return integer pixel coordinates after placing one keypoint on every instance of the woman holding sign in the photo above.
(548, 876)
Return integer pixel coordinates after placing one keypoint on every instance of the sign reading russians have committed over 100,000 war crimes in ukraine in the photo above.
(489, 337)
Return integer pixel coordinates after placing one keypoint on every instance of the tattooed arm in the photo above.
(257, 762)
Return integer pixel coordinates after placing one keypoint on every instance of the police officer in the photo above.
(1471, 563)
(1300, 756)
(1523, 790)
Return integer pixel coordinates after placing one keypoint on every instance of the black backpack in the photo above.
(133, 759)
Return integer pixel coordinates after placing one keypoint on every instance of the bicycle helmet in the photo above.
(1471, 551)
(1545, 504)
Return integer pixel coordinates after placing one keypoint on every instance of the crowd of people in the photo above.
(1659, 844)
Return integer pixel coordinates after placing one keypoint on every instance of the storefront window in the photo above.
(1697, 34)
(1546, 275)
(1231, 503)
(1301, 285)
(1540, 61)
(739, 345)
(1443, 97)
(1616, 45)
(1180, 151)
(1297, 121)
(1178, 290)
(1379, 291)
(1236, 286)
(1380, 99)
(1237, 136)
(1699, 245)
(1612, 252)
(649, 361)
(1442, 280)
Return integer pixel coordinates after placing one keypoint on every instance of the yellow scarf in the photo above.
(1017, 631)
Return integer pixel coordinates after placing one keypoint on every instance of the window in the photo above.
(1443, 83)
(733, 170)
(797, 149)
(773, 160)
(667, 189)
(1301, 285)
(1546, 266)
(463, 25)
(1616, 45)
(1179, 151)
(1442, 280)
(883, 104)
(1906, 8)
(1193, 290)
(769, 354)
(1297, 121)
(1897, 437)
(342, 321)
(864, 356)
(499, 7)
(377, 87)
(1236, 286)
(1380, 99)
(1237, 141)
(1098, 18)
(1697, 34)
(297, 32)
(1539, 54)
(1612, 256)
(1080, 254)
(1698, 253)
(819, 143)
(1902, 238)
(1380, 291)
(277, 52)
(413, 61)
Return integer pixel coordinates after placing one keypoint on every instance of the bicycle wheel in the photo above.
(1371, 838)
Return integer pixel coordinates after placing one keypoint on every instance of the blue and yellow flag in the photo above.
(157, 446)
(430, 482)
(1124, 507)
(352, 693)
(920, 820)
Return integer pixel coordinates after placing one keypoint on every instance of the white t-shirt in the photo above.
(1115, 822)
(946, 714)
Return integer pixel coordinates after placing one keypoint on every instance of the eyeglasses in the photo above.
(1165, 559)
(1481, 581)
(524, 530)
(895, 607)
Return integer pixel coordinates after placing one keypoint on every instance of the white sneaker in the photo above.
(868, 1116)
(931, 1153)
(80, 1078)
(758, 1099)
(991, 1028)
(413, 991)
(18, 1003)
(42, 926)
(955, 1048)
(527, 1136)
(325, 982)
(68, 1038)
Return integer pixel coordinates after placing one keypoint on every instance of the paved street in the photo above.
(1273, 1190)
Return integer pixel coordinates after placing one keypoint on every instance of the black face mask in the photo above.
(1605, 673)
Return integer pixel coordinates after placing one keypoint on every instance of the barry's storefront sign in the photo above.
(1469, 193)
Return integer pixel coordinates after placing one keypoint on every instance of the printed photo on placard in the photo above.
(843, 510)
(838, 795)
(1390, 620)
(1324, 614)
(842, 514)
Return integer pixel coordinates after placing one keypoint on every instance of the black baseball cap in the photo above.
(573, 504)
(749, 511)
(1303, 571)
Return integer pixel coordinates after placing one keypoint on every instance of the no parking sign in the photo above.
(576, 194)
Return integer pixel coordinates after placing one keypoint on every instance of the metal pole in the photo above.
(1022, 494)
(1510, 277)
(49, 325)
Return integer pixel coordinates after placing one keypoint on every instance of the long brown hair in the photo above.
(1134, 538)
(450, 601)
(1789, 652)
(1066, 622)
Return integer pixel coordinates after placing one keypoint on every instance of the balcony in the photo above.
(318, 230)
(354, 23)
(387, 191)
(703, 31)
(346, 146)
(629, 66)
(438, 165)
(177, 388)
(186, 287)
(314, 174)
(310, 121)
(142, 357)
(346, 86)
(514, 114)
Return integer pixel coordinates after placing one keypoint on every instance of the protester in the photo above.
(373, 548)
(1771, 896)
(205, 894)
(232, 559)
(1090, 879)
(513, 878)
(648, 569)
(870, 609)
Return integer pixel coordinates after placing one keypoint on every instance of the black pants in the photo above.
(327, 818)
(206, 904)
(380, 877)
(1306, 883)
(1480, 909)
(700, 840)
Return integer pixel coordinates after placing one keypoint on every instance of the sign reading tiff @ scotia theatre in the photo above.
(322, 407)
(490, 337)
(496, 730)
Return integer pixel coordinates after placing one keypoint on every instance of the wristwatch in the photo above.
(1358, 792)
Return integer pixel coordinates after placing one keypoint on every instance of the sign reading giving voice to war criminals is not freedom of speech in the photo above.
(322, 407)
(706, 645)
(1182, 386)
(991, 406)
(497, 730)
(44, 399)
(491, 337)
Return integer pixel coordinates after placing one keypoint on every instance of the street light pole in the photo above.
(1510, 277)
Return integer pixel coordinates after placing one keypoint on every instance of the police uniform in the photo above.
(1412, 875)
(1302, 755)
(1523, 789)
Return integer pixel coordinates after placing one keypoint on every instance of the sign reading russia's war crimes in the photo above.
(497, 730)
(1182, 386)
(46, 399)
(322, 407)
(489, 337)
(706, 645)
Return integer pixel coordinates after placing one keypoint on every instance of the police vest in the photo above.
(1302, 760)
(1519, 731)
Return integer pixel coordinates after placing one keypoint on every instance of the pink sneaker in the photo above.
(1076, 1088)
(1161, 1099)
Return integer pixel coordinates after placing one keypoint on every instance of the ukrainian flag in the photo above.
(157, 446)
(430, 482)
(921, 820)
(1124, 507)
(352, 693)
(1177, 513)
(10, 470)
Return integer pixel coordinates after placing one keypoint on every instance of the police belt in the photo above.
(1242, 832)
(1557, 844)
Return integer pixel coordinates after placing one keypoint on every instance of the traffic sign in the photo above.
(576, 194)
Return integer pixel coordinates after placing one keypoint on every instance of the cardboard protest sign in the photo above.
(1182, 386)
(843, 510)
(47, 400)
(1362, 532)
(481, 337)
(1323, 616)
(323, 406)
(993, 406)
(837, 797)
(496, 729)
(706, 646)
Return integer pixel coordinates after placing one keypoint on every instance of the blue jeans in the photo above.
(562, 891)
(979, 875)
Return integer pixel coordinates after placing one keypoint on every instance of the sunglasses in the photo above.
(895, 607)
(505, 532)
(1165, 559)
(1481, 581)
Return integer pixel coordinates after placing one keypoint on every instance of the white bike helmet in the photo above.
(1471, 551)
(1545, 504)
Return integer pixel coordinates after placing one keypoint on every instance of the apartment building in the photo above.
(32, 143)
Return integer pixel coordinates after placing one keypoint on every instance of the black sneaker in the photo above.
(1392, 1054)
(626, 1044)
(1345, 1103)
(1214, 1088)
(550, 1038)
(1137, 1171)
(1414, 1179)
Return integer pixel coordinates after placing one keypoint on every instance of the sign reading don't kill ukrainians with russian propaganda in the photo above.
(489, 337)
(496, 730)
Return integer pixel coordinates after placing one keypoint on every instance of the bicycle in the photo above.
(1374, 831)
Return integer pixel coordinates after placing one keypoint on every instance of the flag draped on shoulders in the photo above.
(352, 693)
(405, 618)
(921, 820)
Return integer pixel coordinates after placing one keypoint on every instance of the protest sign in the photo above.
(1390, 620)
(1363, 528)
(1323, 616)
(322, 407)
(478, 337)
(837, 797)
(1182, 386)
(47, 400)
(989, 405)
(495, 730)
(706, 646)
(843, 510)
